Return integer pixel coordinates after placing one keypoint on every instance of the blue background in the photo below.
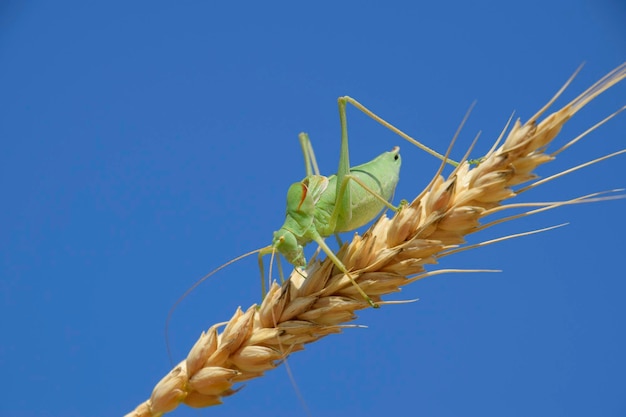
(145, 143)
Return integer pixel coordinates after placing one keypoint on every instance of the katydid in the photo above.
(320, 206)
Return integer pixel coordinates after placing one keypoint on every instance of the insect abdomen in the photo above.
(381, 176)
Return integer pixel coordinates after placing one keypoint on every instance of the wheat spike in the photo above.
(392, 253)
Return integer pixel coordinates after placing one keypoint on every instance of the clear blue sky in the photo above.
(145, 143)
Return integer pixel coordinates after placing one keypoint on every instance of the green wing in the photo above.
(316, 185)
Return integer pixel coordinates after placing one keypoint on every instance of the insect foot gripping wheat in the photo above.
(392, 253)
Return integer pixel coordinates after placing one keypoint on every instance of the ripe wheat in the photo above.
(392, 253)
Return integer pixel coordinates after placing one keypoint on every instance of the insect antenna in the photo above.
(190, 290)
(286, 352)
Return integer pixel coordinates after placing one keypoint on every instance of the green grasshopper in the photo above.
(320, 206)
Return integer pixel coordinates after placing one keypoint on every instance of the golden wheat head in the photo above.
(392, 253)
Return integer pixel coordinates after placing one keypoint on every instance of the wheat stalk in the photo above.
(392, 253)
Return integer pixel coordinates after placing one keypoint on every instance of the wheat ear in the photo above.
(392, 253)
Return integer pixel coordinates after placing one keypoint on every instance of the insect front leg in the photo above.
(264, 251)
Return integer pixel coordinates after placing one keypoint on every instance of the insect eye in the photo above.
(395, 157)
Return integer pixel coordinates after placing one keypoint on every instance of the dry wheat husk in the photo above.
(392, 253)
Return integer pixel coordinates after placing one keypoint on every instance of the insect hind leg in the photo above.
(310, 163)
(347, 99)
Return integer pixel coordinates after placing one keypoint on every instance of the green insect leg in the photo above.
(310, 162)
(320, 241)
(346, 99)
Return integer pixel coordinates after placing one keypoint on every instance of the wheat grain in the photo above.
(392, 253)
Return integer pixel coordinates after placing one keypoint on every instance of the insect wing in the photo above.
(316, 186)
